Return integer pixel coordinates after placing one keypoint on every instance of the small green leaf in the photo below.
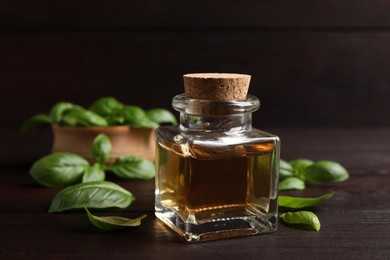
(101, 148)
(34, 121)
(60, 108)
(285, 170)
(160, 115)
(298, 203)
(132, 115)
(77, 117)
(59, 169)
(99, 194)
(302, 219)
(291, 183)
(94, 173)
(145, 123)
(106, 106)
(113, 222)
(115, 120)
(299, 166)
(325, 172)
(129, 167)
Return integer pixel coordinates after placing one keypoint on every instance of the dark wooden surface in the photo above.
(355, 222)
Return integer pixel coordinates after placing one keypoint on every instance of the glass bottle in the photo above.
(216, 175)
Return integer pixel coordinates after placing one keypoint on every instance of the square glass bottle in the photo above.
(216, 175)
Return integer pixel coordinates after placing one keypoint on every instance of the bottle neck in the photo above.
(208, 116)
(215, 124)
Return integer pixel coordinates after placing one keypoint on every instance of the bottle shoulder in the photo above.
(254, 134)
(253, 142)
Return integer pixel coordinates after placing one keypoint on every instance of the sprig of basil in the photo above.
(113, 222)
(100, 194)
(320, 172)
(64, 169)
(59, 169)
(128, 167)
(325, 172)
(106, 111)
(299, 203)
(101, 148)
(302, 219)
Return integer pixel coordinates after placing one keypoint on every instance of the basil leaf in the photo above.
(325, 172)
(128, 167)
(145, 123)
(112, 222)
(101, 148)
(77, 117)
(298, 203)
(292, 183)
(132, 115)
(99, 194)
(60, 108)
(285, 170)
(94, 173)
(160, 115)
(114, 120)
(58, 169)
(106, 106)
(299, 166)
(302, 219)
(34, 121)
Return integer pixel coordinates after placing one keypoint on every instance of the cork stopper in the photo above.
(216, 86)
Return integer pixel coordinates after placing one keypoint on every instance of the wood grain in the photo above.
(355, 222)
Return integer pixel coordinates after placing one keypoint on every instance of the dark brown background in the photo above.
(320, 69)
(313, 63)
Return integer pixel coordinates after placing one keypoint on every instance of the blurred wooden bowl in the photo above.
(124, 139)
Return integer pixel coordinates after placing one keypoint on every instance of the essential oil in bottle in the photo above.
(216, 175)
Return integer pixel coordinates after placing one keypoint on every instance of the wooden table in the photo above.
(355, 222)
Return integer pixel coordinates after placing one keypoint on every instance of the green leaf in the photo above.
(77, 117)
(106, 106)
(113, 222)
(145, 123)
(133, 115)
(299, 166)
(34, 121)
(60, 108)
(325, 172)
(285, 170)
(115, 120)
(160, 115)
(101, 148)
(99, 194)
(59, 169)
(291, 183)
(94, 173)
(298, 203)
(302, 219)
(129, 167)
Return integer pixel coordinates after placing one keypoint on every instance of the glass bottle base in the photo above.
(217, 228)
